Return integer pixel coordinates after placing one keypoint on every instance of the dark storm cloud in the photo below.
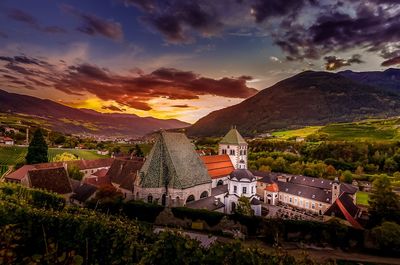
(181, 106)
(129, 90)
(265, 9)
(333, 62)
(94, 25)
(112, 108)
(28, 19)
(391, 61)
(177, 20)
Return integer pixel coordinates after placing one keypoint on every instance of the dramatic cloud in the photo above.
(28, 19)
(94, 25)
(392, 61)
(333, 62)
(176, 19)
(133, 91)
(112, 108)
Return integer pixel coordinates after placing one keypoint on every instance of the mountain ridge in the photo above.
(72, 120)
(308, 98)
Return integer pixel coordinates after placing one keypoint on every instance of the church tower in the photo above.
(235, 147)
(335, 189)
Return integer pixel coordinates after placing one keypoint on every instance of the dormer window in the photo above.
(313, 196)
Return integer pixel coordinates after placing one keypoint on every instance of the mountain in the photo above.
(309, 98)
(388, 80)
(70, 120)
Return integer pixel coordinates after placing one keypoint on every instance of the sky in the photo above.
(184, 59)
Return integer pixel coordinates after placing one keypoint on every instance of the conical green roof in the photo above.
(173, 163)
(233, 137)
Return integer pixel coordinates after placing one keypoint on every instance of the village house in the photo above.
(6, 140)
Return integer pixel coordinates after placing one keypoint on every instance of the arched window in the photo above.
(190, 198)
(178, 201)
(233, 207)
(204, 194)
(150, 198)
(164, 200)
(220, 182)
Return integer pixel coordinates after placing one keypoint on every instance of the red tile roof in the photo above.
(343, 207)
(98, 181)
(218, 165)
(19, 173)
(272, 187)
(100, 173)
(51, 179)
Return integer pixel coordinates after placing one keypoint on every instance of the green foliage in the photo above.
(142, 211)
(210, 217)
(244, 206)
(138, 151)
(384, 204)
(37, 150)
(74, 173)
(3, 170)
(64, 157)
(387, 236)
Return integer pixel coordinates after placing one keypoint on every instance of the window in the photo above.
(224, 151)
(232, 152)
(234, 189)
(150, 199)
(204, 194)
(240, 152)
(313, 205)
(295, 201)
(290, 199)
(244, 190)
(307, 204)
(301, 202)
(252, 189)
(244, 152)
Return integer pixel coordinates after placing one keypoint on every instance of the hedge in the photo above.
(210, 217)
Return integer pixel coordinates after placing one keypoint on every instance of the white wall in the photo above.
(240, 184)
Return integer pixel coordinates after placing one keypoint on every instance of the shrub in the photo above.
(210, 217)
(142, 211)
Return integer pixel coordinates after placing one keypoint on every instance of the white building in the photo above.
(235, 146)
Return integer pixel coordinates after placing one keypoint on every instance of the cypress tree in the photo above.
(37, 150)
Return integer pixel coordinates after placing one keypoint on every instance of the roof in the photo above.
(173, 162)
(221, 189)
(123, 172)
(255, 201)
(209, 203)
(218, 165)
(344, 208)
(233, 137)
(51, 179)
(81, 164)
(100, 173)
(348, 188)
(20, 173)
(311, 182)
(98, 181)
(7, 139)
(74, 184)
(272, 187)
(83, 192)
(240, 174)
(311, 193)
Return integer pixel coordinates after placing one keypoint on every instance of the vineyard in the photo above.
(11, 155)
(3, 169)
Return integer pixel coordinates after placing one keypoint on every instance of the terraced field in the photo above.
(368, 130)
(11, 155)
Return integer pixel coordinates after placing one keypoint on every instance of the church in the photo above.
(174, 174)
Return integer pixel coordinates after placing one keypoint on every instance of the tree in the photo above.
(330, 170)
(64, 157)
(390, 165)
(347, 177)
(384, 204)
(37, 150)
(359, 171)
(75, 173)
(138, 151)
(387, 236)
(244, 206)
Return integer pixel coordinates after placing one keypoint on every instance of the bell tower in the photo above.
(235, 147)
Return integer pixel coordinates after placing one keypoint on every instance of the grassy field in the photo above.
(303, 132)
(368, 130)
(362, 198)
(11, 155)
